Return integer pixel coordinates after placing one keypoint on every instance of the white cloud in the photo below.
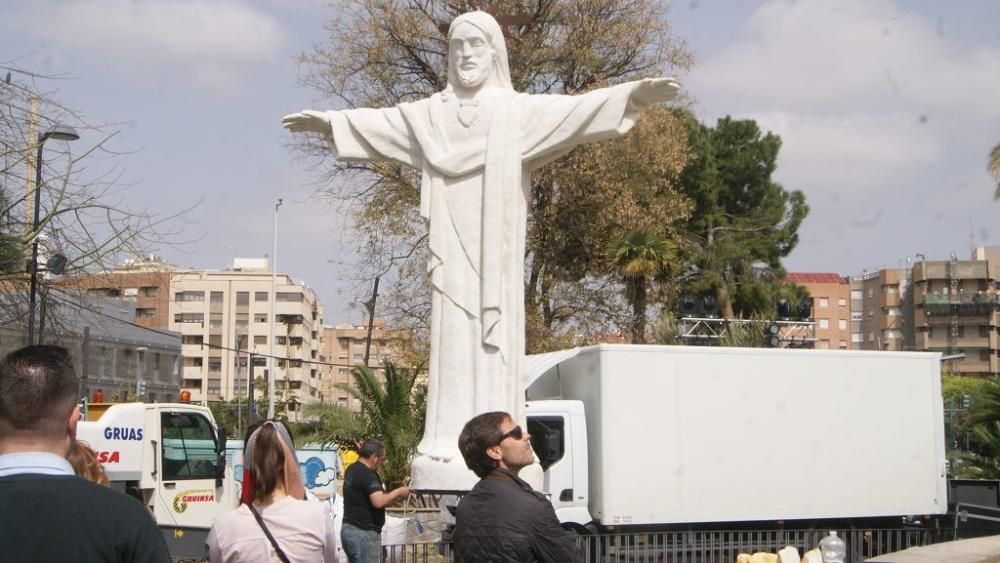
(864, 95)
(849, 152)
(200, 32)
(820, 56)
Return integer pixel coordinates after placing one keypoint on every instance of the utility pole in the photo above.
(270, 341)
(370, 306)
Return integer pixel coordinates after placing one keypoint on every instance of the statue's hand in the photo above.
(653, 90)
(307, 121)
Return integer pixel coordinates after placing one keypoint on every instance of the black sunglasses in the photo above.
(515, 433)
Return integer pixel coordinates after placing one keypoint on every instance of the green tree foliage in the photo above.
(392, 411)
(638, 257)
(383, 52)
(973, 433)
(741, 219)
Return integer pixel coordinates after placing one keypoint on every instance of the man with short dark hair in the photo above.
(50, 514)
(365, 500)
(503, 518)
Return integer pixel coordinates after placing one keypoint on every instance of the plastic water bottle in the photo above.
(833, 549)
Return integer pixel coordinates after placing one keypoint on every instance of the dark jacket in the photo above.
(67, 518)
(504, 520)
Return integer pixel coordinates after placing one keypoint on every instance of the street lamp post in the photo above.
(270, 338)
(59, 133)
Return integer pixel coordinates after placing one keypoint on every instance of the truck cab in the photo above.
(170, 456)
(558, 431)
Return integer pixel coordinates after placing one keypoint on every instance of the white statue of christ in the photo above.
(476, 144)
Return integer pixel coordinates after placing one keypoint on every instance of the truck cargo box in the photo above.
(685, 434)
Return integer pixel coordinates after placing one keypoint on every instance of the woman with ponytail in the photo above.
(273, 523)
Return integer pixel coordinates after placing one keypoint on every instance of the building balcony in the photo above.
(938, 320)
(943, 344)
(970, 366)
(960, 305)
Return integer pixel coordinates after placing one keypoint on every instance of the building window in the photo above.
(242, 298)
(242, 320)
(871, 292)
(189, 318)
(191, 339)
(856, 295)
(145, 313)
(824, 302)
(148, 291)
(857, 338)
(343, 371)
(871, 337)
(260, 340)
(214, 364)
(280, 340)
(843, 345)
(215, 320)
(857, 316)
(260, 317)
(842, 324)
(894, 312)
(342, 400)
(842, 302)
(156, 360)
(260, 296)
(189, 296)
(823, 345)
(871, 313)
(824, 323)
(288, 297)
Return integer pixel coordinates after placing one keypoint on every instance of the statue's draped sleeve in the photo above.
(553, 125)
(373, 134)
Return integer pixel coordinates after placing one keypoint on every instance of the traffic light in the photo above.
(140, 388)
(966, 401)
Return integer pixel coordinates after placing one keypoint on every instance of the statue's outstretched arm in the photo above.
(654, 90)
(308, 121)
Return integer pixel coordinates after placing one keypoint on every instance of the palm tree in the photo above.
(392, 411)
(994, 169)
(638, 256)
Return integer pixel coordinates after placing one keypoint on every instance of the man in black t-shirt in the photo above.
(48, 513)
(365, 500)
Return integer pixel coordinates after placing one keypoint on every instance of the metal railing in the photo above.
(705, 546)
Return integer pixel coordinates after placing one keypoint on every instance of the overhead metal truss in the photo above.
(709, 331)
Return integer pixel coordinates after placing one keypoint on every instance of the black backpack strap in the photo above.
(274, 542)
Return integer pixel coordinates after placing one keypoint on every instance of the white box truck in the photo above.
(644, 437)
(170, 456)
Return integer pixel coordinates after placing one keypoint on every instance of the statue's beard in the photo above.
(473, 78)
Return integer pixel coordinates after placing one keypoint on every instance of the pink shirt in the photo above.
(303, 529)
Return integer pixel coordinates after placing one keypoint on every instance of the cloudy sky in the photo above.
(887, 110)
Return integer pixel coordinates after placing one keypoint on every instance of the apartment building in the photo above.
(344, 347)
(882, 310)
(224, 316)
(831, 308)
(145, 282)
(955, 312)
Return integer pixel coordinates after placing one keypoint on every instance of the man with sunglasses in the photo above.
(503, 518)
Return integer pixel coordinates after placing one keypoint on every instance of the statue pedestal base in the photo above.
(440, 474)
(433, 473)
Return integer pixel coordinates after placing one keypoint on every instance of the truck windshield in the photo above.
(188, 447)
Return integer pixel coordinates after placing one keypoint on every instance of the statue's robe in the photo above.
(474, 192)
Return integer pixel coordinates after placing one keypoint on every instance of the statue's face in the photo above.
(470, 55)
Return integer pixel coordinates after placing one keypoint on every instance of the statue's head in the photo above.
(477, 52)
